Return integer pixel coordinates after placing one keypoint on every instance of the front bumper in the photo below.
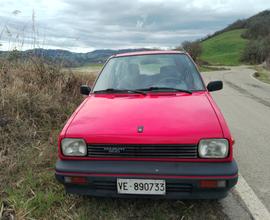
(182, 178)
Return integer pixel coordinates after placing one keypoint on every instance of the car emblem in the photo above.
(140, 129)
(114, 149)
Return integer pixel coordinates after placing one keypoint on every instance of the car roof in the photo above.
(148, 52)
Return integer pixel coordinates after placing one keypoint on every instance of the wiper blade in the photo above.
(153, 88)
(111, 90)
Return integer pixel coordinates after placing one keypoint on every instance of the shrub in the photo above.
(257, 51)
(35, 100)
(257, 30)
(268, 62)
(193, 48)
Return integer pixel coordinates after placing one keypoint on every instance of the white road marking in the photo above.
(253, 203)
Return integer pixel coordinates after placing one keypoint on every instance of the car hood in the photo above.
(166, 118)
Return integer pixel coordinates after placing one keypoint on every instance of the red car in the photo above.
(148, 128)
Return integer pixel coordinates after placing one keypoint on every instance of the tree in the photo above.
(14, 55)
(268, 62)
(257, 51)
(193, 48)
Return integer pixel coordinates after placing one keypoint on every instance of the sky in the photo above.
(86, 25)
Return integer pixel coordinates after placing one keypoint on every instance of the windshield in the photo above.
(141, 72)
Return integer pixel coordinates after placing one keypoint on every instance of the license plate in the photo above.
(141, 186)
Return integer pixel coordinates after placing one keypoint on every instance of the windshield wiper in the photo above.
(112, 90)
(154, 88)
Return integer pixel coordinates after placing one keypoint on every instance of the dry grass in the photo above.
(35, 101)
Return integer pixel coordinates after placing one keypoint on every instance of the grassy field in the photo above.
(224, 49)
(35, 101)
(262, 74)
(87, 69)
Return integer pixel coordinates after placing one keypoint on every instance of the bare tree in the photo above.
(193, 48)
(268, 62)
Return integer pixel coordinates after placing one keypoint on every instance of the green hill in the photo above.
(229, 45)
(224, 49)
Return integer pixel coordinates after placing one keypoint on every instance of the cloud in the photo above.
(82, 25)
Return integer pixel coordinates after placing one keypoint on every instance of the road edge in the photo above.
(254, 205)
(254, 78)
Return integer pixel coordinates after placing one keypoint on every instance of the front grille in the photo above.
(171, 187)
(142, 151)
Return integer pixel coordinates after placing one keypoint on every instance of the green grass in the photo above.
(224, 49)
(35, 194)
(262, 74)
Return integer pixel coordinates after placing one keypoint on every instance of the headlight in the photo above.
(73, 147)
(213, 148)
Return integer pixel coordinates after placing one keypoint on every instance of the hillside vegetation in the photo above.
(256, 26)
(244, 41)
(64, 57)
(224, 49)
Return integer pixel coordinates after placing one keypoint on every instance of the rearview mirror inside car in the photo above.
(214, 86)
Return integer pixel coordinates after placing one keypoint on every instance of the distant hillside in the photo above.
(225, 48)
(67, 58)
(256, 26)
(246, 40)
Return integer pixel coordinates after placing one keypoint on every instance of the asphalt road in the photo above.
(245, 103)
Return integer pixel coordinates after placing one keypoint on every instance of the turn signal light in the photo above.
(76, 180)
(212, 183)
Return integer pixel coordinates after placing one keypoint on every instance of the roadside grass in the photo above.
(35, 101)
(211, 68)
(262, 74)
(224, 49)
(33, 193)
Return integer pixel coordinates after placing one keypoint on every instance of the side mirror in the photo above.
(214, 86)
(85, 90)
